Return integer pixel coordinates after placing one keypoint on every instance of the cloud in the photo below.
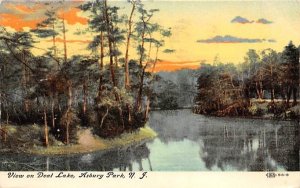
(232, 39)
(241, 20)
(71, 16)
(229, 39)
(23, 8)
(17, 21)
(20, 15)
(263, 21)
(163, 65)
(272, 40)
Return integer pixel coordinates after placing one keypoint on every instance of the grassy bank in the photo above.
(256, 109)
(266, 110)
(87, 142)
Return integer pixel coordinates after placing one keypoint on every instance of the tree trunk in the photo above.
(64, 37)
(261, 89)
(272, 94)
(69, 112)
(288, 96)
(5, 133)
(147, 108)
(24, 85)
(282, 93)
(59, 104)
(129, 113)
(295, 95)
(111, 66)
(272, 86)
(67, 130)
(127, 77)
(84, 102)
(52, 111)
(45, 124)
(115, 55)
(142, 50)
(54, 44)
(257, 90)
(110, 45)
(101, 63)
(140, 93)
(121, 117)
(7, 118)
(53, 40)
(156, 58)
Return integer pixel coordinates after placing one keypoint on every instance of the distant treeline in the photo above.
(174, 90)
(226, 89)
(109, 90)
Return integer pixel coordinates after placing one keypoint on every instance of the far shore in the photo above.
(257, 104)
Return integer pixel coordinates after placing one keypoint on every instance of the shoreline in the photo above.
(248, 117)
(267, 116)
(98, 144)
(260, 110)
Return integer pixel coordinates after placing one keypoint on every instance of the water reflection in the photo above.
(119, 160)
(186, 142)
(229, 144)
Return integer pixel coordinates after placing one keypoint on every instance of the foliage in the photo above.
(60, 92)
(266, 75)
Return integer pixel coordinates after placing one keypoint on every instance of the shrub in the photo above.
(256, 111)
(168, 103)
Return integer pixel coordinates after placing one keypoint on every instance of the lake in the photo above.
(186, 142)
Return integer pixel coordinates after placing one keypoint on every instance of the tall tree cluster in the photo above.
(226, 89)
(110, 90)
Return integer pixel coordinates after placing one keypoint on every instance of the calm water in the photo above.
(187, 142)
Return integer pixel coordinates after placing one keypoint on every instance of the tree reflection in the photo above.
(287, 150)
(277, 148)
(121, 159)
(221, 144)
(233, 143)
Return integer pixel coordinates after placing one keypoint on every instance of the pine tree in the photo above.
(290, 71)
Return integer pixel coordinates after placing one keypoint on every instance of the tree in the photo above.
(290, 72)
(56, 89)
(219, 91)
(18, 45)
(270, 69)
(166, 94)
(129, 33)
(97, 45)
(48, 28)
(110, 39)
(252, 74)
(51, 26)
(144, 32)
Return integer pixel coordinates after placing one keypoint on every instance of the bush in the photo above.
(88, 118)
(168, 103)
(114, 121)
(256, 111)
(291, 115)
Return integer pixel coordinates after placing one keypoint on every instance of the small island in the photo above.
(22, 139)
(50, 99)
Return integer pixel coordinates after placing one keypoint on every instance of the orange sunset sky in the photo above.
(201, 30)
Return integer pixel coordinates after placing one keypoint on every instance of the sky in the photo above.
(201, 30)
